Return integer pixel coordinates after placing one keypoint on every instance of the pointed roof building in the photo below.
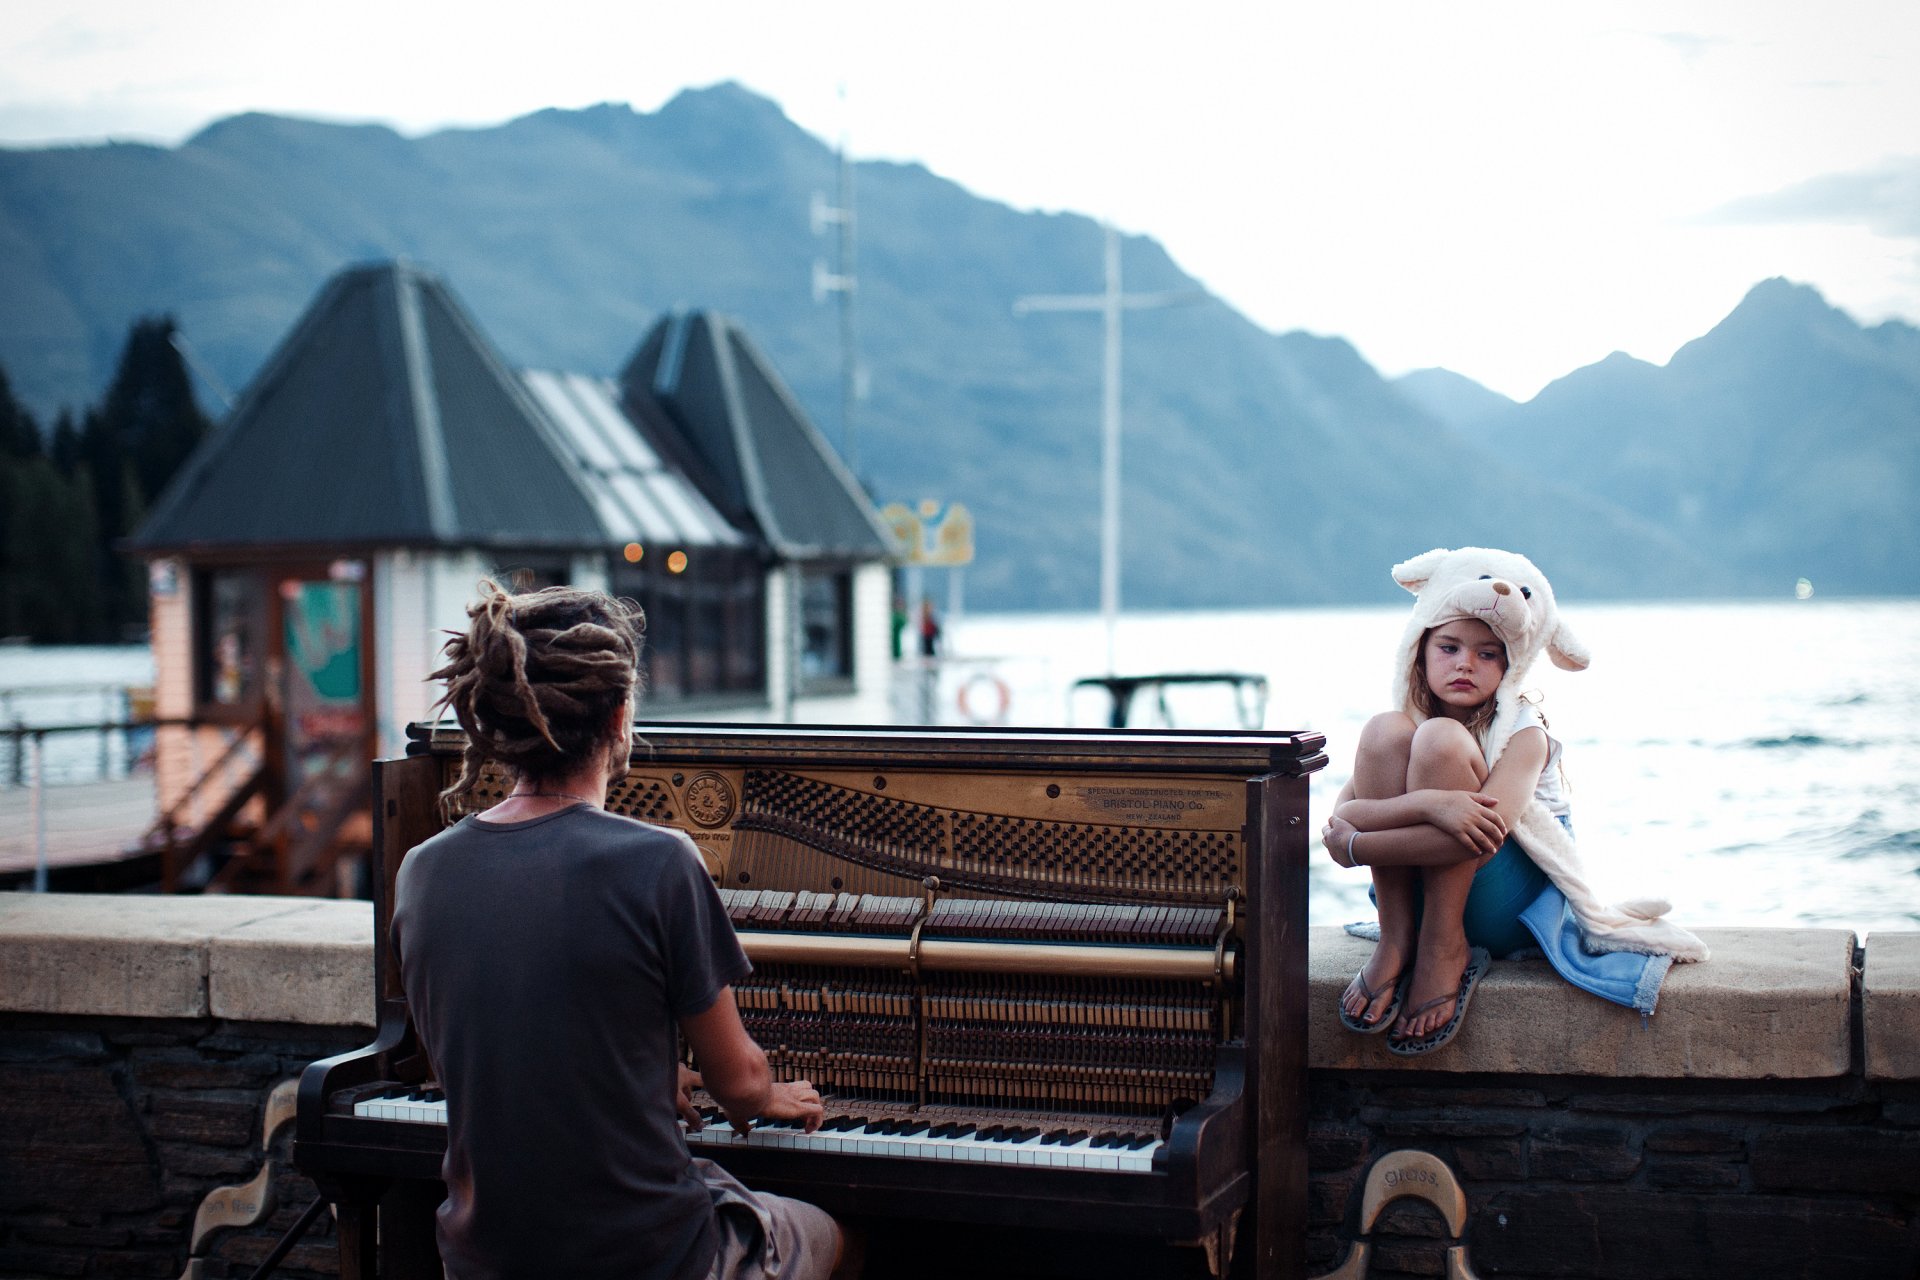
(386, 418)
(704, 392)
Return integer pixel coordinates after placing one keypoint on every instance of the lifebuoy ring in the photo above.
(1002, 698)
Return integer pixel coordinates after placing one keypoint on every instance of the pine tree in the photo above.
(19, 433)
(132, 444)
(65, 451)
(150, 409)
(51, 587)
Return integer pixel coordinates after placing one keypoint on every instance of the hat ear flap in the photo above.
(1568, 651)
(1414, 574)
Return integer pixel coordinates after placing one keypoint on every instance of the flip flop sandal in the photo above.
(1399, 984)
(1469, 978)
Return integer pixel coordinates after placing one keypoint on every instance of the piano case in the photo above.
(1058, 977)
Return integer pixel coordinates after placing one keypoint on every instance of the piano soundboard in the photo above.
(1024, 968)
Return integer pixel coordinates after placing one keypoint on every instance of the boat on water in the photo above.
(1153, 701)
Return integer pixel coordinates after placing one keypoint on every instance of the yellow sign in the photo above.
(932, 534)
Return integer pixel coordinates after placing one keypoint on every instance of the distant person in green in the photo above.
(553, 955)
(899, 621)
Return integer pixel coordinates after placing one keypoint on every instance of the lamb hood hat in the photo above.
(1510, 594)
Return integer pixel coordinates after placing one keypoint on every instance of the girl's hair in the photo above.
(1421, 698)
(535, 676)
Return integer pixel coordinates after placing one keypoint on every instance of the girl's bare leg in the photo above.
(1380, 773)
(1443, 756)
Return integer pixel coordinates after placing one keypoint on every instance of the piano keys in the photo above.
(1038, 976)
(1099, 1145)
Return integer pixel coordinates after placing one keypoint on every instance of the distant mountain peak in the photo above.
(250, 127)
(725, 97)
(1453, 398)
(1776, 315)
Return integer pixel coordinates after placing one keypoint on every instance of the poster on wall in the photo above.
(323, 705)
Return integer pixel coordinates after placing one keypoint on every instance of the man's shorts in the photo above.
(764, 1236)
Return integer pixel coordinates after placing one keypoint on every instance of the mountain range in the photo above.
(1259, 468)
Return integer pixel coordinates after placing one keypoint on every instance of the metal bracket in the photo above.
(246, 1203)
(1395, 1176)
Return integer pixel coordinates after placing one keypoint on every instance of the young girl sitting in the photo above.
(1458, 809)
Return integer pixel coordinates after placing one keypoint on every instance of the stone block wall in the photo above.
(1765, 1123)
(113, 1131)
(1604, 1178)
(140, 1040)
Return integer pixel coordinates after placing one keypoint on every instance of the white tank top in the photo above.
(1551, 790)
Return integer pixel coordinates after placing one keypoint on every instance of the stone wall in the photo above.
(114, 1131)
(1765, 1123)
(140, 1042)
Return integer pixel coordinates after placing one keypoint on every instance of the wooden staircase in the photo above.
(307, 845)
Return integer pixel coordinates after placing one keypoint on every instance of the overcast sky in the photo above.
(1511, 190)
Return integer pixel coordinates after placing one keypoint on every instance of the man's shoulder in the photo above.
(617, 835)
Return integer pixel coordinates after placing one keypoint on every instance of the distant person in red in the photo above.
(553, 954)
(929, 630)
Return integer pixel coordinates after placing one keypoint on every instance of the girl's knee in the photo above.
(1443, 739)
(1388, 735)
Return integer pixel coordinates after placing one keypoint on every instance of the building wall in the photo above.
(418, 597)
(869, 700)
(182, 754)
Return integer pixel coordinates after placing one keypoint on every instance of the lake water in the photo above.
(1757, 764)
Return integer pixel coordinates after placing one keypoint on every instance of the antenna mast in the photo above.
(843, 280)
(1110, 304)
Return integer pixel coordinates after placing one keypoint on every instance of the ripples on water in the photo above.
(1758, 764)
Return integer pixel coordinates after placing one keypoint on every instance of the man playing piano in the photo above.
(549, 949)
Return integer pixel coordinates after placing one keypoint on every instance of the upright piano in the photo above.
(1040, 977)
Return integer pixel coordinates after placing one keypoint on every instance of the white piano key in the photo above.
(1032, 1152)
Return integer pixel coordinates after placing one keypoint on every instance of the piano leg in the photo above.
(408, 1250)
(358, 1227)
(385, 1227)
(1219, 1246)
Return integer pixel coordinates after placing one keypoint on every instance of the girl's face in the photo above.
(1465, 664)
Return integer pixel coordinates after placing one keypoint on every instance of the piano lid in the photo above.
(1291, 753)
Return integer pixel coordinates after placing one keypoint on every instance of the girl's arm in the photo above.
(1437, 827)
(1456, 812)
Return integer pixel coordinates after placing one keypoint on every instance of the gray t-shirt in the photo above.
(546, 963)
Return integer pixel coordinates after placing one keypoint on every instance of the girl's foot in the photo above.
(1373, 997)
(1433, 993)
(1440, 1036)
(1372, 1019)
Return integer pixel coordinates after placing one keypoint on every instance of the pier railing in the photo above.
(99, 731)
(174, 829)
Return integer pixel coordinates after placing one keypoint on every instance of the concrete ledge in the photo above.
(261, 959)
(1890, 1000)
(1772, 1003)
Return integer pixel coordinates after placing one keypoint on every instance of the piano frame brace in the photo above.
(948, 955)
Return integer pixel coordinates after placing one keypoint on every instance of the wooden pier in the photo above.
(94, 830)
